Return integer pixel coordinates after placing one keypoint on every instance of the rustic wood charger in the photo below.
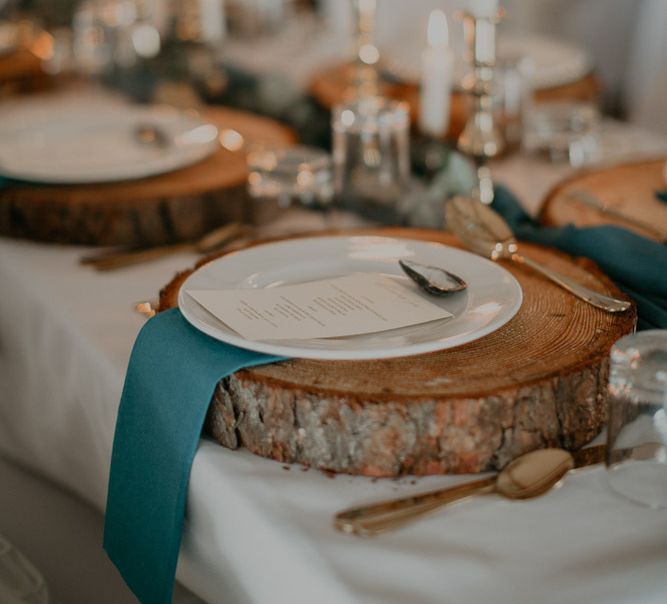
(627, 188)
(335, 85)
(21, 71)
(538, 381)
(172, 207)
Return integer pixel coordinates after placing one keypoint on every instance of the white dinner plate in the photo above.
(80, 142)
(492, 298)
(552, 62)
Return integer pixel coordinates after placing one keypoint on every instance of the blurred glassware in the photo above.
(296, 174)
(637, 430)
(20, 581)
(366, 51)
(371, 155)
(512, 98)
(253, 18)
(8, 37)
(138, 45)
(563, 131)
(188, 67)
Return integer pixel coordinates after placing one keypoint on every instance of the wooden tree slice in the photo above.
(628, 188)
(171, 207)
(21, 71)
(334, 85)
(538, 381)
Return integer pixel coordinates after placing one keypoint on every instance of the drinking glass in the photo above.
(512, 98)
(371, 154)
(20, 581)
(637, 430)
(563, 131)
(295, 174)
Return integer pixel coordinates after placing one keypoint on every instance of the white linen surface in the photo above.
(257, 532)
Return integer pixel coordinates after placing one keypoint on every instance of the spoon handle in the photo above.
(606, 303)
(376, 518)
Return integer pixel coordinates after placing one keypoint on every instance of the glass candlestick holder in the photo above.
(481, 138)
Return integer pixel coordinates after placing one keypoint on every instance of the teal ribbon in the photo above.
(636, 264)
(170, 381)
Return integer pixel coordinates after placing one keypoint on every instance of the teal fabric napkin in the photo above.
(170, 381)
(636, 264)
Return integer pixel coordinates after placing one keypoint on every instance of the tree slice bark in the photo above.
(538, 381)
(629, 189)
(177, 206)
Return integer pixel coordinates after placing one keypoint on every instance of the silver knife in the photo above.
(590, 200)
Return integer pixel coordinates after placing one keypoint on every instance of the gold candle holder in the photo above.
(481, 138)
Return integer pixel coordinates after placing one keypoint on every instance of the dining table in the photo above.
(257, 530)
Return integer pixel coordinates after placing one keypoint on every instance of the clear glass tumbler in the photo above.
(371, 155)
(637, 429)
(20, 581)
(563, 131)
(295, 174)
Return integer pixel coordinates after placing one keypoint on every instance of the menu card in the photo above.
(343, 306)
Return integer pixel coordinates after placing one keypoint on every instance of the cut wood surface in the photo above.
(21, 71)
(628, 188)
(172, 207)
(538, 381)
(334, 85)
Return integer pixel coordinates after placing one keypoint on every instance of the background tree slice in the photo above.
(177, 206)
(334, 85)
(538, 381)
(21, 71)
(628, 188)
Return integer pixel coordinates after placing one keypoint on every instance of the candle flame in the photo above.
(437, 32)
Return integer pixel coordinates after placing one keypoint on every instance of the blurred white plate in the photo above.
(552, 62)
(492, 298)
(78, 142)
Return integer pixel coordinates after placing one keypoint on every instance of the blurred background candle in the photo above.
(437, 64)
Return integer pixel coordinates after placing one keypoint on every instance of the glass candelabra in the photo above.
(481, 138)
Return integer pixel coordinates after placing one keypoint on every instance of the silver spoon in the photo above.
(484, 231)
(528, 476)
(434, 280)
(154, 135)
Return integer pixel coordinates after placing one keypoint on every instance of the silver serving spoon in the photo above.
(434, 280)
(154, 135)
(484, 231)
(528, 476)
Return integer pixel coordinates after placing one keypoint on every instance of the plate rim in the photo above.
(267, 347)
(198, 152)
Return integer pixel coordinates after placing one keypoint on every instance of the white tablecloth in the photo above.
(257, 531)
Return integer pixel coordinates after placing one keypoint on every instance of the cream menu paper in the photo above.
(343, 306)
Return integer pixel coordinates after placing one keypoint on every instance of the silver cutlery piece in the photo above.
(154, 135)
(210, 242)
(485, 232)
(593, 202)
(528, 476)
(151, 135)
(432, 279)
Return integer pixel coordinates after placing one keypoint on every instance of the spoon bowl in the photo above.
(529, 475)
(486, 233)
